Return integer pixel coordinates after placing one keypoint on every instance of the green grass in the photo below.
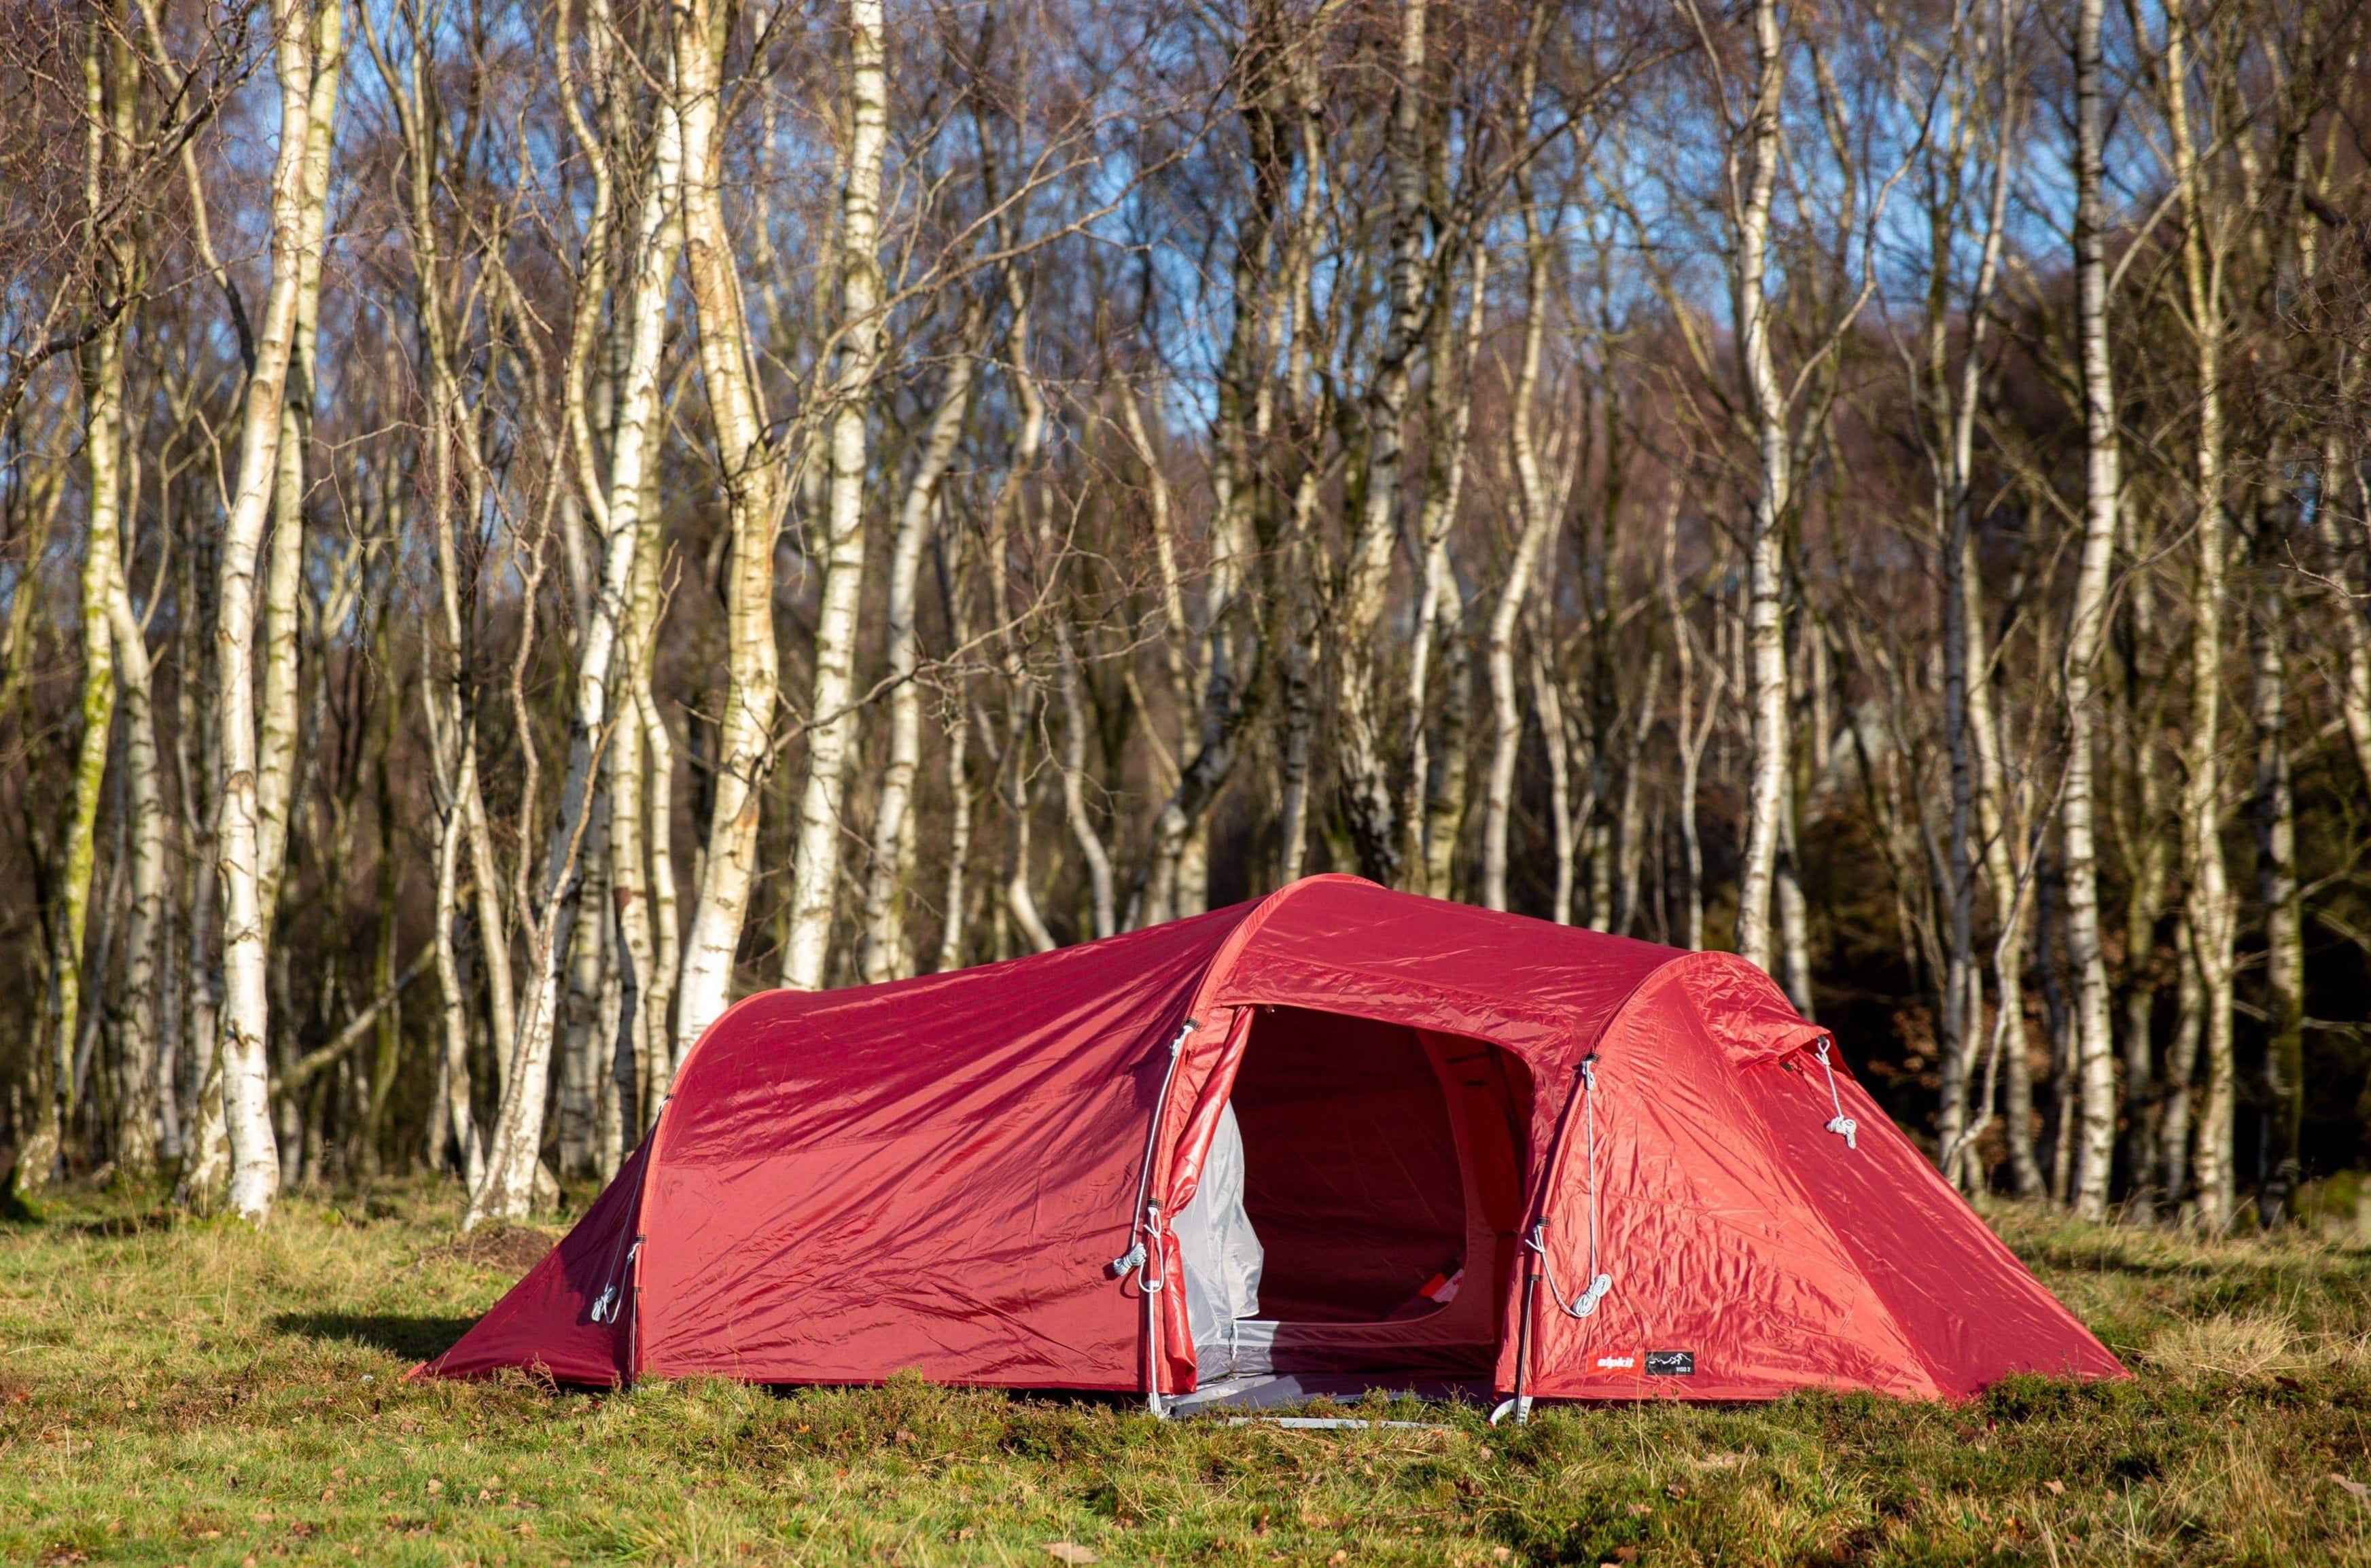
(178, 1391)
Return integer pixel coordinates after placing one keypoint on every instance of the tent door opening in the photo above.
(1358, 1206)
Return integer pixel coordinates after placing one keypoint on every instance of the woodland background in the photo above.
(522, 522)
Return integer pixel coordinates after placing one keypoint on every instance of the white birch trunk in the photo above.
(103, 449)
(2095, 1058)
(506, 1191)
(140, 1121)
(887, 950)
(815, 873)
(753, 483)
(1765, 554)
(1358, 744)
(1539, 509)
(304, 37)
(2209, 900)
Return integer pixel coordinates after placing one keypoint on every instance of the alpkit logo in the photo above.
(1626, 1361)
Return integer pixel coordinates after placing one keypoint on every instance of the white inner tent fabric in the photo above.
(1221, 1250)
(1442, 1322)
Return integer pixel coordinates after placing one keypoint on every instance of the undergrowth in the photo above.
(195, 1391)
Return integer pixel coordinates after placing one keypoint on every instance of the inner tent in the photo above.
(1358, 1207)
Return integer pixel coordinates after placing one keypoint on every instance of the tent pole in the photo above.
(1144, 1253)
(1520, 1405)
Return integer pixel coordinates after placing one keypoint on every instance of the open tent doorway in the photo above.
(1358, 1206)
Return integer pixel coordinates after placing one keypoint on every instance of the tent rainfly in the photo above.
(1334, 1130)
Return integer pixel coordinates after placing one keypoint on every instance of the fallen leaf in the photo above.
(2353, 1488)
(435, 1486)
(1341, 1555)
(2057, 1488)
(1070, 1552)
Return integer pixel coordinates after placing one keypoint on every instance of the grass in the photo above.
(182, 1391)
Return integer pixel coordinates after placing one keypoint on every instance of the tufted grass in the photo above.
(194, 1392)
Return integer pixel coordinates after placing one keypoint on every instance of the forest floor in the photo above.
(180, 1391)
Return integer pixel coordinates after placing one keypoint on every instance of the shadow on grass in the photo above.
(117, 1226)
(414, 1339)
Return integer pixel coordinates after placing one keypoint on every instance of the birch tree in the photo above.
(2085, 623)
(831, 716)
(754, 495)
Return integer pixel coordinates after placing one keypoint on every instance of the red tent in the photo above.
(1436, 1139)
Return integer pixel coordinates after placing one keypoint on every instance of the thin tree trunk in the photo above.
(1542, 504)
(1072, 767)
(628, 923)
(1766, 684)
(1359, 762)
(454, 1109)
(103, 448)
(2210, 902)
(1435, 802)
(506, 1191)
(306, 37)
(1630, 839)
(138, 1121)
(2174, 1126)
(831, 712)
(2095, 1051)
(958, 732)
(753, 487)
(1547, 702)
(2276, 884)
(887, 950)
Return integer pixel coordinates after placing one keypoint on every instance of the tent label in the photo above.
(1670, 1364)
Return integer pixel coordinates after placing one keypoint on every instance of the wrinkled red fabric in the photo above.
(938, 1173)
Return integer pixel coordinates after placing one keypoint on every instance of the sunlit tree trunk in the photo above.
(2095, 1057)
(306, 39)
(831, 712)
(953, 904)
(1359, 762)
(754, 496)
(2209, 900)
(103, 450)
(506, 1190)
(1542, 504)
(138, 1120)
(1766, 687)
(887, 950)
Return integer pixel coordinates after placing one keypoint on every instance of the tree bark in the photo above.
(831, 713)
(1766, 686)
(2276, 887)
(506, 1190)
(754, 493)
(1359, 764)
(306, 38)
(2209, 900)
(887, 951)
(139, 1117)
(2095, 1057)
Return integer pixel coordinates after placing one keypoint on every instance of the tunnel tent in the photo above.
(1337, 1131)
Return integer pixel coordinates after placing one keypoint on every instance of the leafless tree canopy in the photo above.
(524, 520)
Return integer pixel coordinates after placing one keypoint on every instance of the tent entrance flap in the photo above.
(1346, 1218)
